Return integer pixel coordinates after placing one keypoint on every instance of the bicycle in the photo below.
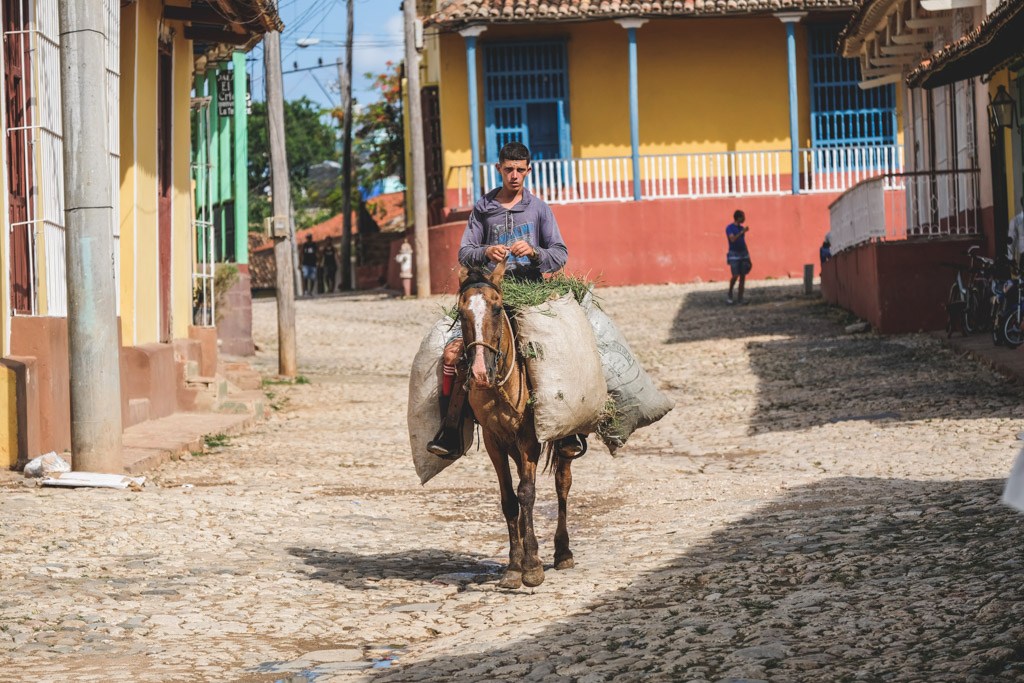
(1008, 302)
(969, 305)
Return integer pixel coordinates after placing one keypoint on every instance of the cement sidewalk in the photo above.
(152, 443)
(1009, 362)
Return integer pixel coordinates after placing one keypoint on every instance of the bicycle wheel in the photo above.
(955, 307)
(971, 313)
(1012, 333)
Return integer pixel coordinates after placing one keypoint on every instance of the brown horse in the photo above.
(499, 395)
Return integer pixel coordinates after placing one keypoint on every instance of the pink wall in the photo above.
(896, 286)
(668, 240)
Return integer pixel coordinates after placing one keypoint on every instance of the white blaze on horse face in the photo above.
(478, 307)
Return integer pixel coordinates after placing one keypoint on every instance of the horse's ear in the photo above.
(463, 275)
(498, 274)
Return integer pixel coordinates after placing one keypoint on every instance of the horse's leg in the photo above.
(563, 482)
(533, 568)
(513, 577)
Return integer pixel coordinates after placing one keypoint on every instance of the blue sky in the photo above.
(378, 39)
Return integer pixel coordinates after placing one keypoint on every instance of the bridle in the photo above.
(498, 354)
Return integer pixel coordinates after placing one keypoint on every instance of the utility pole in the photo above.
(419, 165)
(284, 245)
(345, 78)
(93, 346)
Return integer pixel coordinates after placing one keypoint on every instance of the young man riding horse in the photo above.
(511, 225)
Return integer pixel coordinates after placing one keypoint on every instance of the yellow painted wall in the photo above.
(181, 231)
(1002, 78)
(127, 217)
(8, 418)
(146, 273)
(704, 85)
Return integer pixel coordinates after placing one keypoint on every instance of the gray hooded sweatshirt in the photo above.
(531, 219)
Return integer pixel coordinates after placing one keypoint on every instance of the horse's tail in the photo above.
(549, 452)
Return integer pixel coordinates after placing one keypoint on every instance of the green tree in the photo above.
(380, 137)
(309, 141)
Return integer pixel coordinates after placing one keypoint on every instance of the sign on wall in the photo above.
(225, 93)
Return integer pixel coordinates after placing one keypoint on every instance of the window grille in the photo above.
(843, 115)
(526, 94)
(35, 162)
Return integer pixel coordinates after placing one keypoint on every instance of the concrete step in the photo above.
(150, 444)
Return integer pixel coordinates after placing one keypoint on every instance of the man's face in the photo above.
(513, 174)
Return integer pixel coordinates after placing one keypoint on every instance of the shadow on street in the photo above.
(851, 578)
(811, 372)
(361, 572)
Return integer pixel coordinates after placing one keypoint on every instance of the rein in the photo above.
(506, 323)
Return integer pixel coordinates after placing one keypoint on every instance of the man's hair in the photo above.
(514, 151)
(738, 215)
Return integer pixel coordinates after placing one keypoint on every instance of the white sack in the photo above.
(561, 357)
(45, 465)
(424, 413)
(1013, 494)
(638, 402)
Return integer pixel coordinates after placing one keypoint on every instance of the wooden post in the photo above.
(284, 247)
(418, 172)
(348, 276)
(809, 278)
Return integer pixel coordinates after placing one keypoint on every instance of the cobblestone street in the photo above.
(819, 506)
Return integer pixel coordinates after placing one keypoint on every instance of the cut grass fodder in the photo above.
(520, 294)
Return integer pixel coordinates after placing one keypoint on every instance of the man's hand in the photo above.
(522, 248)
(496, 253)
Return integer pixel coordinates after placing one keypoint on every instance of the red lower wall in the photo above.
(896, 286)
(667, 240)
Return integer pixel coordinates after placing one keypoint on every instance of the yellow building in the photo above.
(154, 50)
(685, 111)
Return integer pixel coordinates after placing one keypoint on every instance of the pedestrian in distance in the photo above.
(738, 256)
(404, 259)
(310, 257)
(329, 257)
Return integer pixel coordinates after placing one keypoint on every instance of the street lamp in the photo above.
(1002, 109)
(307, 42)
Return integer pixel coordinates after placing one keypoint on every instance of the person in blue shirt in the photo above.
(738, 256)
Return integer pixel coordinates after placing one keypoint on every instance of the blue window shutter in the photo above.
(516, 76)
(843, 115)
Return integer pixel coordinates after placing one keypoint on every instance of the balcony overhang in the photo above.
(893, 34)
(996, 43)
(219, 27)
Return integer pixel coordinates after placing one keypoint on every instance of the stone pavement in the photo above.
(820, 506)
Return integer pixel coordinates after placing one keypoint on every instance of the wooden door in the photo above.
(17, 94)
(164, 183)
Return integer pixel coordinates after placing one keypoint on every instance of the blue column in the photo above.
(794, 104)
(470, 34)
(634, 112)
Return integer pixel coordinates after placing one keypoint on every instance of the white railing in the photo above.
(840, 168)
(689, 176)
(906, 205)
(858, 215)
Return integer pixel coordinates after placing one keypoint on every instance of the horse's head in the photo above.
(483, 323)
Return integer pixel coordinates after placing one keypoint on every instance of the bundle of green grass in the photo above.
(519, 294)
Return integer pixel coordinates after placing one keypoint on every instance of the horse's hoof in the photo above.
(533, 577)
(567, 563)
(511, 580)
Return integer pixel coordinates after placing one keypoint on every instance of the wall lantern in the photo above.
(1002, 109)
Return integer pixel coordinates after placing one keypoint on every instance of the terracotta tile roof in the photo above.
(386, 210)
(452, 14)
(993, 44)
